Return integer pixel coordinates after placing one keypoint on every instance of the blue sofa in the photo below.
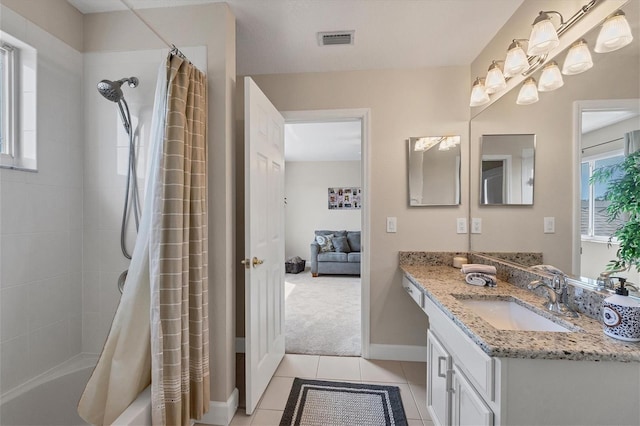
(335, 253)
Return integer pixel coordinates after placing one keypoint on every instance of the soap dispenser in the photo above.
(621, 315)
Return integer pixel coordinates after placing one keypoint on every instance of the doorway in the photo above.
(329, 313)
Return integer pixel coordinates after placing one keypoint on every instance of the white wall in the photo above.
(41, 221)
(306, 185)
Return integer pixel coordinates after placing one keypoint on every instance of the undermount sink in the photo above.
(510, 315)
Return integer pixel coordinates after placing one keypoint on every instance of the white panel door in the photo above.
(468, 407)
(264, 241)
(439, 366)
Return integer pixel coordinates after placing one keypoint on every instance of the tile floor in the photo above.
(410, 377)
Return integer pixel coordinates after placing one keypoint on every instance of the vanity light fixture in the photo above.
(578, 59)
(528, 92)
(551, 77)
(494, 82)
(479, 95)
(516, 60)
(544, 36)
(615, 33)
(448, 142)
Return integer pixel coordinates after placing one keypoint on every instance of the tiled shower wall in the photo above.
(41, 221)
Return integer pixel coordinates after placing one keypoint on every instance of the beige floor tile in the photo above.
(267, 417)
(294, 365)
(339, 368)
(415, 372)
(381, 371)
(277, 393)
(241, 418)
(414, 422)
(420, 396)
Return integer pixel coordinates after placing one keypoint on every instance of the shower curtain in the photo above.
(631, 142)
(159, 333)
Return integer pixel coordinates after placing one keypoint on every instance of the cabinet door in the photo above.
(438, 371)
(468, 407)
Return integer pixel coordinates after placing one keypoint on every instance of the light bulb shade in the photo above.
(551, 78)
(528, 93)
(479, 95)
(516, 60)
(615, 33)
(495, 81)
(578, 59)
(544, 36)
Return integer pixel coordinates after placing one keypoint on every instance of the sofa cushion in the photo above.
(341, 244)
(353, 257)
(335, 233)
(354, 240)
(324, 241)
(332, 257)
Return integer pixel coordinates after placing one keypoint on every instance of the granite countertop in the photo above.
(445, 286)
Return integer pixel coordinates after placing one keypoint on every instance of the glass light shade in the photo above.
(543, 36)
(578, 59)
(495, 81)
(528, 92)
(516, 60)
(479, 95)
(615, 33)
(551, 78)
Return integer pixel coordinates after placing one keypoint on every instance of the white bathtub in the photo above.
(52, 398)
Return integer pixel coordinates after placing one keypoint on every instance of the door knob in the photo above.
(257, 261)
(246, 263)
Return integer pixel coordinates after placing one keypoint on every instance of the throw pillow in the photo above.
(354, 240)
(324, 241)
(341, 244)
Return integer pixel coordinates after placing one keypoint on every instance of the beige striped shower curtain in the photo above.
(179, 269)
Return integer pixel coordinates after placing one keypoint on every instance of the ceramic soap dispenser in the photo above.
(621, 315)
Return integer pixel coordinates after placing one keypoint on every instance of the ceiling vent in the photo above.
(334, 38)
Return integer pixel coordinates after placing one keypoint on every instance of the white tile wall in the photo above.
(41, 220)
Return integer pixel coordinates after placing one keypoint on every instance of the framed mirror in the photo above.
(507, 169)
(434, 170)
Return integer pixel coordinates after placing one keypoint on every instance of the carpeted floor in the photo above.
(322, 314)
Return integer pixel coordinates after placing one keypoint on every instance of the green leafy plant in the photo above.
(623, 194)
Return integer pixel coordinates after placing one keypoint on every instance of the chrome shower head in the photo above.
(111, 89)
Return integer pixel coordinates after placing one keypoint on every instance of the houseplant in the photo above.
(623, 194)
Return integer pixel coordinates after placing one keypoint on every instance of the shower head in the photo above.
(111, 89)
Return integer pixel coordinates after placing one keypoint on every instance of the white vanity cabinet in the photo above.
(467, 407)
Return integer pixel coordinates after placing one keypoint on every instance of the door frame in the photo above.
(364, 115)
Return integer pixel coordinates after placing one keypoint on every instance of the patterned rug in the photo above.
(321, 403)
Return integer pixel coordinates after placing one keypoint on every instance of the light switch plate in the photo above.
(476, 225)
(549, 225)
(461, 225)
(392, 224)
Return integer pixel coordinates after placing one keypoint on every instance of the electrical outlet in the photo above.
(392, 224)
(549, 225)
(461, 225)
(476, 225)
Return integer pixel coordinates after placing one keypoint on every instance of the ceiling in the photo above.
(279, 36)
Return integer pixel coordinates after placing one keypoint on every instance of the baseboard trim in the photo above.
(221, 413)
(398, 352)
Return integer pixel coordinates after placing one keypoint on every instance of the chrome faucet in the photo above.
(605, 280)
(557, 295)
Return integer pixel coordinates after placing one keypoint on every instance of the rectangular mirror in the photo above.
(434, 170)
(507, 169)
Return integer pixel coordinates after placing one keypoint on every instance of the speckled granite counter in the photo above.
(445, 286)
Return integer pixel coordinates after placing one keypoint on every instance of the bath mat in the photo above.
(321, 403)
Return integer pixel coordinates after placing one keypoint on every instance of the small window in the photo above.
(594, 222)
(18, 81)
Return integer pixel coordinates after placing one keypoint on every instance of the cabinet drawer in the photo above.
(477, 365)
(413, 290)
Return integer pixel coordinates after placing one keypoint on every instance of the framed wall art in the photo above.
(346, 198)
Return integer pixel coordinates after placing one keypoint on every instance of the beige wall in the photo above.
(403, 103)
(305, 187)
(614, 76)
(213, 26)
(56, 17)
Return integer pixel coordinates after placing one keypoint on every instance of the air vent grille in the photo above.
(334, 38)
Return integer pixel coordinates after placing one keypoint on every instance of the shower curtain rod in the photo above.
(174, 50)
(601, 143)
